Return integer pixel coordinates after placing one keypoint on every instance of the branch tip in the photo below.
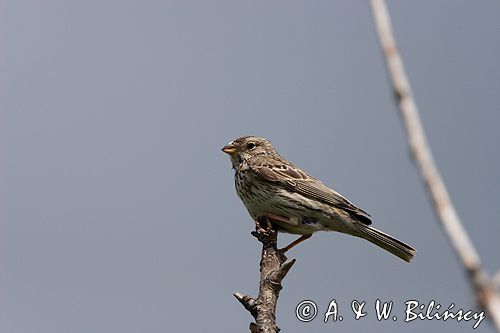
(282, 271)
(248, 302)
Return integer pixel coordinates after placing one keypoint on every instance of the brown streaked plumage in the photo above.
(296, 202)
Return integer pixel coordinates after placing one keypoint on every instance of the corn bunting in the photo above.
(295, 202)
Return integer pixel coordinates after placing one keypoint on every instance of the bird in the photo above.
(295, 202)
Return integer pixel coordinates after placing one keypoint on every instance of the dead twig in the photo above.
(273, 269)
(488, 298)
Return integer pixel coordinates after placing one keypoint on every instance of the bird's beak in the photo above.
(229, 149)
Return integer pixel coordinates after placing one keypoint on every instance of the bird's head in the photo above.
(246, 147)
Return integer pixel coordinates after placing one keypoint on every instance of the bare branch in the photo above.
(248, 302)
(487, 297)
(496, 280)
(273, 269)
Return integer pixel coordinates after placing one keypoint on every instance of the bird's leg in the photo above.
(271, 217)
(277, 218)
(264, 222)
(295, 243)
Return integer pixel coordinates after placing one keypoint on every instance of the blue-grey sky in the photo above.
(118, 209)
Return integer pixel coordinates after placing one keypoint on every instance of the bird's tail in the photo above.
(383, 240)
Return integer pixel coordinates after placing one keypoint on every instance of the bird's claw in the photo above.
(263, 225)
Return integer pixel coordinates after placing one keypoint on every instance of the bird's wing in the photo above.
(298, 181)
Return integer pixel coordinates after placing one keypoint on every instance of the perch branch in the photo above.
(273, 269)
(487, 297)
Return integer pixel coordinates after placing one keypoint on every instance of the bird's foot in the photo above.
(263, 228)
(263, 225)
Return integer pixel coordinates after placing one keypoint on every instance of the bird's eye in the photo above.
(250, 145)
